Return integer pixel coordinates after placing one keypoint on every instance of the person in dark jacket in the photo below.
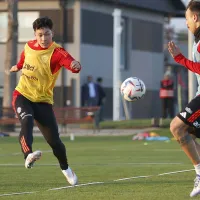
(101, 97)
(89, 93)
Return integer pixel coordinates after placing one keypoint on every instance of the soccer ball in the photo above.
(133, 89)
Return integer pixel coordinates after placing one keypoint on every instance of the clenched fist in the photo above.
(75, 66)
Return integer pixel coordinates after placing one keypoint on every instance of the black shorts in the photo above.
(190, 115)
(43, 115)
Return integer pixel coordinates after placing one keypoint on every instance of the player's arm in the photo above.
(192, 66)
(182, 60)
(68, 62)
(19, 65)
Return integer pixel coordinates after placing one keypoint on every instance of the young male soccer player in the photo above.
(186, 125)
(40, 64)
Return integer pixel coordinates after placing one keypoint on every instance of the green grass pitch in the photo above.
(98, 159)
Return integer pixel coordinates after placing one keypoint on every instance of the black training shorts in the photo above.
(191, 116)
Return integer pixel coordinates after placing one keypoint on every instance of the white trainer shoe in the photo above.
(70, 176)
(31, 158)
(196, 189)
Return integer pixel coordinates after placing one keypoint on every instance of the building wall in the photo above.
(72, 41)
(144, 57)
(90, 40)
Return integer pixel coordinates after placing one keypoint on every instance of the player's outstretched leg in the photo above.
(31, 158)
(47, 124)
(179, 130)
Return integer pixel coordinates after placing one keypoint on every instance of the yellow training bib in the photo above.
(37, 81)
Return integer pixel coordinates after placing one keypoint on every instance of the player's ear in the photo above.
(34, 33)
(195, 17)
(52, 33)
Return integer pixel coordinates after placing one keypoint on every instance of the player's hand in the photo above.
(14, 69)
(75, 66)
(173, 49)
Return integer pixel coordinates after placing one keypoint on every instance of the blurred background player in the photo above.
(40, 63)
(167, 96)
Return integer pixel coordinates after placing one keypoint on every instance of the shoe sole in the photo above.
(195, 194)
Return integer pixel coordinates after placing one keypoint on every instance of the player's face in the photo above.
(44, 37)
(191, 20)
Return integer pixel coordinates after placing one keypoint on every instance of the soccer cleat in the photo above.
(196, 189)
(70, 176)
(31, 158)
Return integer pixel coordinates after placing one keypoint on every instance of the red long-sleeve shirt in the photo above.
(60, 58)
(192, 66)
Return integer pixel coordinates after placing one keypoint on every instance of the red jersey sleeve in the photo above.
(65, 59)
(21, 61)
(192, 66)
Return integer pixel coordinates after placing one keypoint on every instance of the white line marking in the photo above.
(156, 163)
(11, 154)
(95, 183)
(17, 165)
(97, 164)
(83, 184)
(175, 172)
(20, 153)
(134, 177)
(122, 179)
(17, 193)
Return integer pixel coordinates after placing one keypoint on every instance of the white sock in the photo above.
(197, 169)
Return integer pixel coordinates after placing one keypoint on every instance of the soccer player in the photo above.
(186, 125)
(40, 64)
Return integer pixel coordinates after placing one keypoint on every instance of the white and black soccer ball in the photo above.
(133, 89)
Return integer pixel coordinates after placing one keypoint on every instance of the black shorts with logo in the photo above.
(191, 116)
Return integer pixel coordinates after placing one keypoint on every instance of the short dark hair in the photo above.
(194, 6)
(42, 22)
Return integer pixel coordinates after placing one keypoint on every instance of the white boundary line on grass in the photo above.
(95, 164)
(176, 172)
(20, 153)
(134, 177)
(17, 193)
(96, 183)
(167, 173)
(83, 184)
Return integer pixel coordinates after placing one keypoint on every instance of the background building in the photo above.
(89, 38)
